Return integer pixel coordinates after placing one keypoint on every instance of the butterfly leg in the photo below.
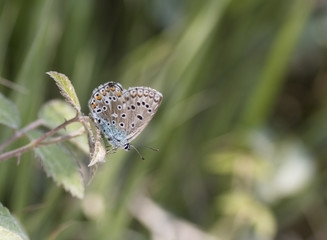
(112, 150)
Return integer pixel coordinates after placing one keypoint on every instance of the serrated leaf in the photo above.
(55, 113)
(10, 229)
(66, 89)
(9, 114)
(60, 165)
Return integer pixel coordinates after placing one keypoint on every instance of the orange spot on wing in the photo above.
(140, 94)
(112, 89)
(98, 97)
(118, 94)
(104, 93)
(93, 105)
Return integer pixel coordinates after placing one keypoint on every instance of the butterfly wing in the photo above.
(108, 108)
(142, 104)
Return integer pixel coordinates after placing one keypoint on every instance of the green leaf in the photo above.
(55, 113)
(98, 151)
(60, 165)
(9, 114)
(10, 229)
(66, 89)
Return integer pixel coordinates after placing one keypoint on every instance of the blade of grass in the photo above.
(261, 100)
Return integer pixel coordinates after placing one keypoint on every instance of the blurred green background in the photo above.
(242, 128)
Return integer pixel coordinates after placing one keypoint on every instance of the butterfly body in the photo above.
(122, 114)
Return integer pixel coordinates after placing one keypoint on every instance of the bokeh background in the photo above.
(242, 129)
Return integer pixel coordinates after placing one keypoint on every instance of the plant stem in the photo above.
(63, 138)
(37, 142)
(20, 133)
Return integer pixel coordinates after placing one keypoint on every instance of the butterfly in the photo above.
(122, 114)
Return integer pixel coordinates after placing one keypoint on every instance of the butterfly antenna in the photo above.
(137, 152)
(153, 149)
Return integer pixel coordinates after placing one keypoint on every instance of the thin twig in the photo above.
(35, 143)
(21, 132)
(63, 138)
